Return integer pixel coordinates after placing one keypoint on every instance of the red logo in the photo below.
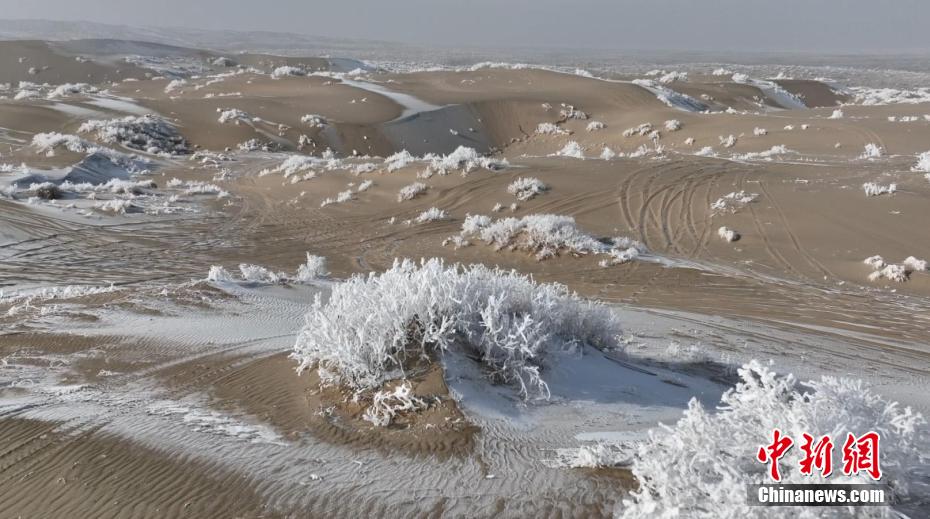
(859, 454)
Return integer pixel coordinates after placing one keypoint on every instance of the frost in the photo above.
(525, 188)
(837, 114)
(232, 115)
(643, 129)
(873, 189)
(287, 71)
(373, 326)
(544, 235)
(886, 96)
(569, 112)
(672, 125)
(69, 89)
(594, 126)
(758, 132)
(872, 151)
(47, 142)
(733, 202)
(399, 160)
(706, 151)
(768, 154)
(710, 457)
(572, 149)
(147, 133)
(258, 274)
(923, 162)
(727, 234)
(411, 191)
(314, 121)
(728, 142)
(364, 186)
(740, 78)
(313, 269)
(607, 153)
(550, 129)
(891, 272)
(431, 215)
(116, 206)
(386, 405)
(174, 85)
(896, 273)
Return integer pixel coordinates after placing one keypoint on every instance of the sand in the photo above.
(184, 389)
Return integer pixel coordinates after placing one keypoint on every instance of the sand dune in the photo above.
(130, 386)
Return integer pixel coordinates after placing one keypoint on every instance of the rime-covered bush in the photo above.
(373, 325)
(433, 214)
(544, 235)
(699, 468)
(411, 191)
(571, 149)
(872, 151)
(148, 133)
(923, 162)
(314, 268)
(874, 189)
(550, 129)
(525, 188)
(385, 405)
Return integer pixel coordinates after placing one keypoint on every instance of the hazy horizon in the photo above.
(837, 26)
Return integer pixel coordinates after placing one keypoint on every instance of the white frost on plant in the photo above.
(873, 189)
(372, 326)
(923, 162)
(872, 151)
(314, 120)
(285, 71)
(728, 142)
(232, 115)
(432, 214)
(385, 405)
(525, 188)
(543, 235)
(571, 149)
(550, 129)
(411, 191)
(672, 125)
(732, 202)
(759, 132)
(837, 114)
(641, 130)
(710, 457)
(727, 234)
(148, 133)
(594, 126)
(768, 154)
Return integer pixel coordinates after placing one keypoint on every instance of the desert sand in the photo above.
(131, 385)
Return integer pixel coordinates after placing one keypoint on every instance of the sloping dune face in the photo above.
(240, 284)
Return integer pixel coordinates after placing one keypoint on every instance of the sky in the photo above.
(740, 25)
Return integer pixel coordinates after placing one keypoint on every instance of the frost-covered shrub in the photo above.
(313, 120)
(232, 115)
(525, 188)
(373, 326)
(463, 158)
(544, 235)
(69, 89)
(837, 114)
(608, 154)
(115, 206)
(314, 268)
(569, 112)
(706, 151)
(728, 142)
(594, 126)
(923, 162)
(341, 197)
(699, 468)
(47, 142)
(641, 130)
(733, 202)
(768, 154)
(386, 405)
(550, 129)
(873, 189)
(148, 133)
(287, 71)
(258, 274)
(672, 125)
(872, 151)
(897, 273)
(364, 186)
(218, 274)
(411, 191)
(759, 132)
(46, 191)
(431, 215)
(175, 84)
(572, 149)
(727, 234)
